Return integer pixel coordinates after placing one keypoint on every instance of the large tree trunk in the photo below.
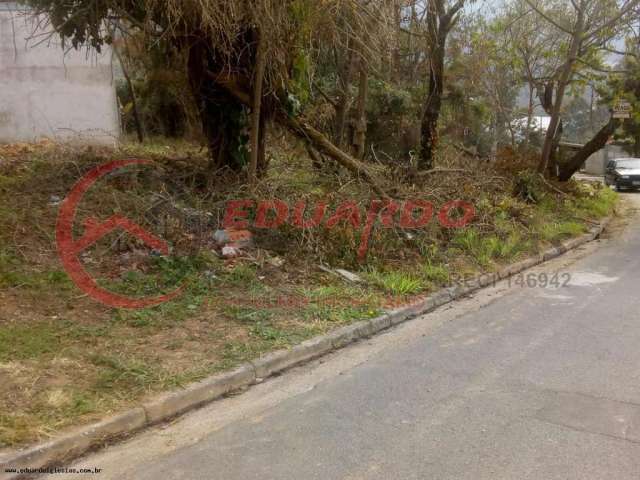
(567, 169)
(220, 113)
(553, 132)
(546, 96)
(429, 131)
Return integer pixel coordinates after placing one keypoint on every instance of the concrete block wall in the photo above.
(597, 162)
(47, 93)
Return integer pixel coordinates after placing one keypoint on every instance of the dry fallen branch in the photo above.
(322, 144)
(552, 187)
(303, 130)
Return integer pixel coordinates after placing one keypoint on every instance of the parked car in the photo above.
(623, 173)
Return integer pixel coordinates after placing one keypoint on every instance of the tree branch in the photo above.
(626, 9)
(548, 18)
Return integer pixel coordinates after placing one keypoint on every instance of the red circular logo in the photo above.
(69, 248)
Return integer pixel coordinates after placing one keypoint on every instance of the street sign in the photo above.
(622, 109)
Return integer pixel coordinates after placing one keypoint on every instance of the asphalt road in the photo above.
(514, 383)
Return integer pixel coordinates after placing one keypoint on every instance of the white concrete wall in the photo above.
(597, 162)
(47, 94)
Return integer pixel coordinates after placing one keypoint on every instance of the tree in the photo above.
(589, 26)
(490, 75)
(534, 46)
(345, 67)
(226, 45)
(626, 86)
(441, 18)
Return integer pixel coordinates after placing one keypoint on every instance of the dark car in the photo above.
(623, 173)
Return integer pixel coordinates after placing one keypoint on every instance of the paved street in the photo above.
(514, 383)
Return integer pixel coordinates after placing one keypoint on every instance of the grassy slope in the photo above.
(66, 360)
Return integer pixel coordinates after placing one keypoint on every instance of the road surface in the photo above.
(514, 383)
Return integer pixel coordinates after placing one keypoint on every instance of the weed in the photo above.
(241, 275)
(436, 274)
(81, 403)
(485, 249)
(595, 204)
(339, 314)
(397, 283)
(478, 247)
(553, 231)
(16, 429)
(14, 273)
(267, 332)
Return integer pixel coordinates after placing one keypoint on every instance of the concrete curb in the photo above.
(168, 406)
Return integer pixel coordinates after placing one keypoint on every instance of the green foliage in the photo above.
(81, 21)
(161, 103)
(529, 187)
(242, 275)
(397, 282)
(554, 231)
(436, 274)
(582, 120)
(163, 274)
(626, 86)
(485, 249)
(16, 274)
(392, 115)
(299, 86)
(594, 203)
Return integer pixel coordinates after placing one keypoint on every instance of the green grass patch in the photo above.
(397, 282)
(119, 373)
(248, 315)
(553, 231)
(596, 204)
(23, 342)
(436, 274)
(15, 273)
